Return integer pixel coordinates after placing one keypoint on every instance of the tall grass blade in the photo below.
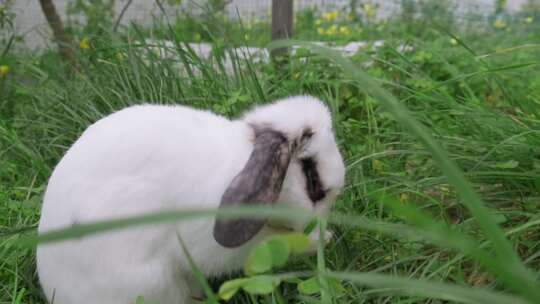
(427, 289)
(515, 274)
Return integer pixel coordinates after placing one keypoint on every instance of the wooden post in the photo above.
(62, 38)
(282, 23)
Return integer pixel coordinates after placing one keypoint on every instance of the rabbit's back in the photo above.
(138, 160)
(174, 148)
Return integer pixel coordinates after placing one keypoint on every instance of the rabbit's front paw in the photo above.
(314, 238)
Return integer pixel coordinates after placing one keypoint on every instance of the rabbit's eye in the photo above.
(307, 134)
(314, 187)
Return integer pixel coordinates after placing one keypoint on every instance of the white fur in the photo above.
(153, 158)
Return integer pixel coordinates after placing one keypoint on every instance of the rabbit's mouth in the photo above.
(279, 226)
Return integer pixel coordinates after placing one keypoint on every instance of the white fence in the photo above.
(30, 21)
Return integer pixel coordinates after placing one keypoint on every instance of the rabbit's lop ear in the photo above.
(259, 182)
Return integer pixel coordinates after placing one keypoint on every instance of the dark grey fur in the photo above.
(258, 183)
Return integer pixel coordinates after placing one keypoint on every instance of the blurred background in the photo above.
(28, 19)
(465, 71)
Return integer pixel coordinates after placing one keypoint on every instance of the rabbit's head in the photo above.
(295, 161)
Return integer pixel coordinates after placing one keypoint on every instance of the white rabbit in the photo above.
(153, 158)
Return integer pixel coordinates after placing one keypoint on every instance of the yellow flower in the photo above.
(404, 197)
(120, 56)
(332, 30)
(4, 70)
(330, 16)
(499, 24)
(453, 41)
(369, 10)
(325, 16)
(377, 165)
(321, 31)
(529, 20)
(344, 30)
(84, 44)
(318, 22)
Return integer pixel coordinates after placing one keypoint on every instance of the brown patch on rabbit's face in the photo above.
(314, 186)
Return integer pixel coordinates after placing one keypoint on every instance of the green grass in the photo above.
(442, 146)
